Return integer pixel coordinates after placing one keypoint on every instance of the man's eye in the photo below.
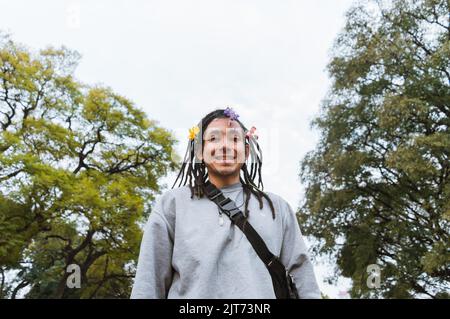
(212, 138)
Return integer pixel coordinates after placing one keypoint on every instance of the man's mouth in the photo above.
(225, 159)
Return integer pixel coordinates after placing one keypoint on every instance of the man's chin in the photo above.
(226, 170)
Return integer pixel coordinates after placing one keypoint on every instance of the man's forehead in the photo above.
(222, 125)
(221, 129)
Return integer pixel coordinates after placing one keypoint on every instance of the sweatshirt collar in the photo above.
(232, 187)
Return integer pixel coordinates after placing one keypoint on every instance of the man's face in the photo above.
(224, 150)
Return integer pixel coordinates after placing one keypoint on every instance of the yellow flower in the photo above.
(193, 132)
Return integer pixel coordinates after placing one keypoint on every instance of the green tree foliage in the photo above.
(79, 167)
(377, 184)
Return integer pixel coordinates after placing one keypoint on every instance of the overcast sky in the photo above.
(179, 60)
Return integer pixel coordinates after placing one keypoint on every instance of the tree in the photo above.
(79, 169)
(377, 184)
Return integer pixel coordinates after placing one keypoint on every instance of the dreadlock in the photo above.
(193, 171)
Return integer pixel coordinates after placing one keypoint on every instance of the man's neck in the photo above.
(222, 181)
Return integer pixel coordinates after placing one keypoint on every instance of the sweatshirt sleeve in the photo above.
(154, 269)
(294, 256)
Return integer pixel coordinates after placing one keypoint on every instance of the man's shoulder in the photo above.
(280, 204)
(175, 192)
(165, 203)
(275, 198)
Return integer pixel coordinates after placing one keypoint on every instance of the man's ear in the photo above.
(198, 153)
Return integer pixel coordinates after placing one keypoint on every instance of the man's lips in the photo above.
(227, 160)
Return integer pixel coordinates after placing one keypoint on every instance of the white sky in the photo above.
(179, 60)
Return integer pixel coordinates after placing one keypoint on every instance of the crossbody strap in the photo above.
(283, 288)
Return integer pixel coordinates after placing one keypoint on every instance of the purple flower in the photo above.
(231, 113)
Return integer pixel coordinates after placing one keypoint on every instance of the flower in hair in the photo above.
(193, 132)
(252, 133)
(231, 113)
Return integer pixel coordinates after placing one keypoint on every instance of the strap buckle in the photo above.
(229, 207)
(213, 197)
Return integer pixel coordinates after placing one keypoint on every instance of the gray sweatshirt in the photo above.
(190, 251)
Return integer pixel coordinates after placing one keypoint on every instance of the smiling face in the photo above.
(224, 148)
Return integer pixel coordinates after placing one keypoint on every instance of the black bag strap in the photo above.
(283, 285)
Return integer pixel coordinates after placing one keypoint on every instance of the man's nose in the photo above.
(225, 147)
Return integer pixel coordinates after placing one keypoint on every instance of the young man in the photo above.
(191, 250)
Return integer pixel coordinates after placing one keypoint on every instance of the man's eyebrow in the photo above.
(212, 130)
(215, 130)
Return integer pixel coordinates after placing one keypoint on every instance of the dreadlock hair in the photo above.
(193, 171)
